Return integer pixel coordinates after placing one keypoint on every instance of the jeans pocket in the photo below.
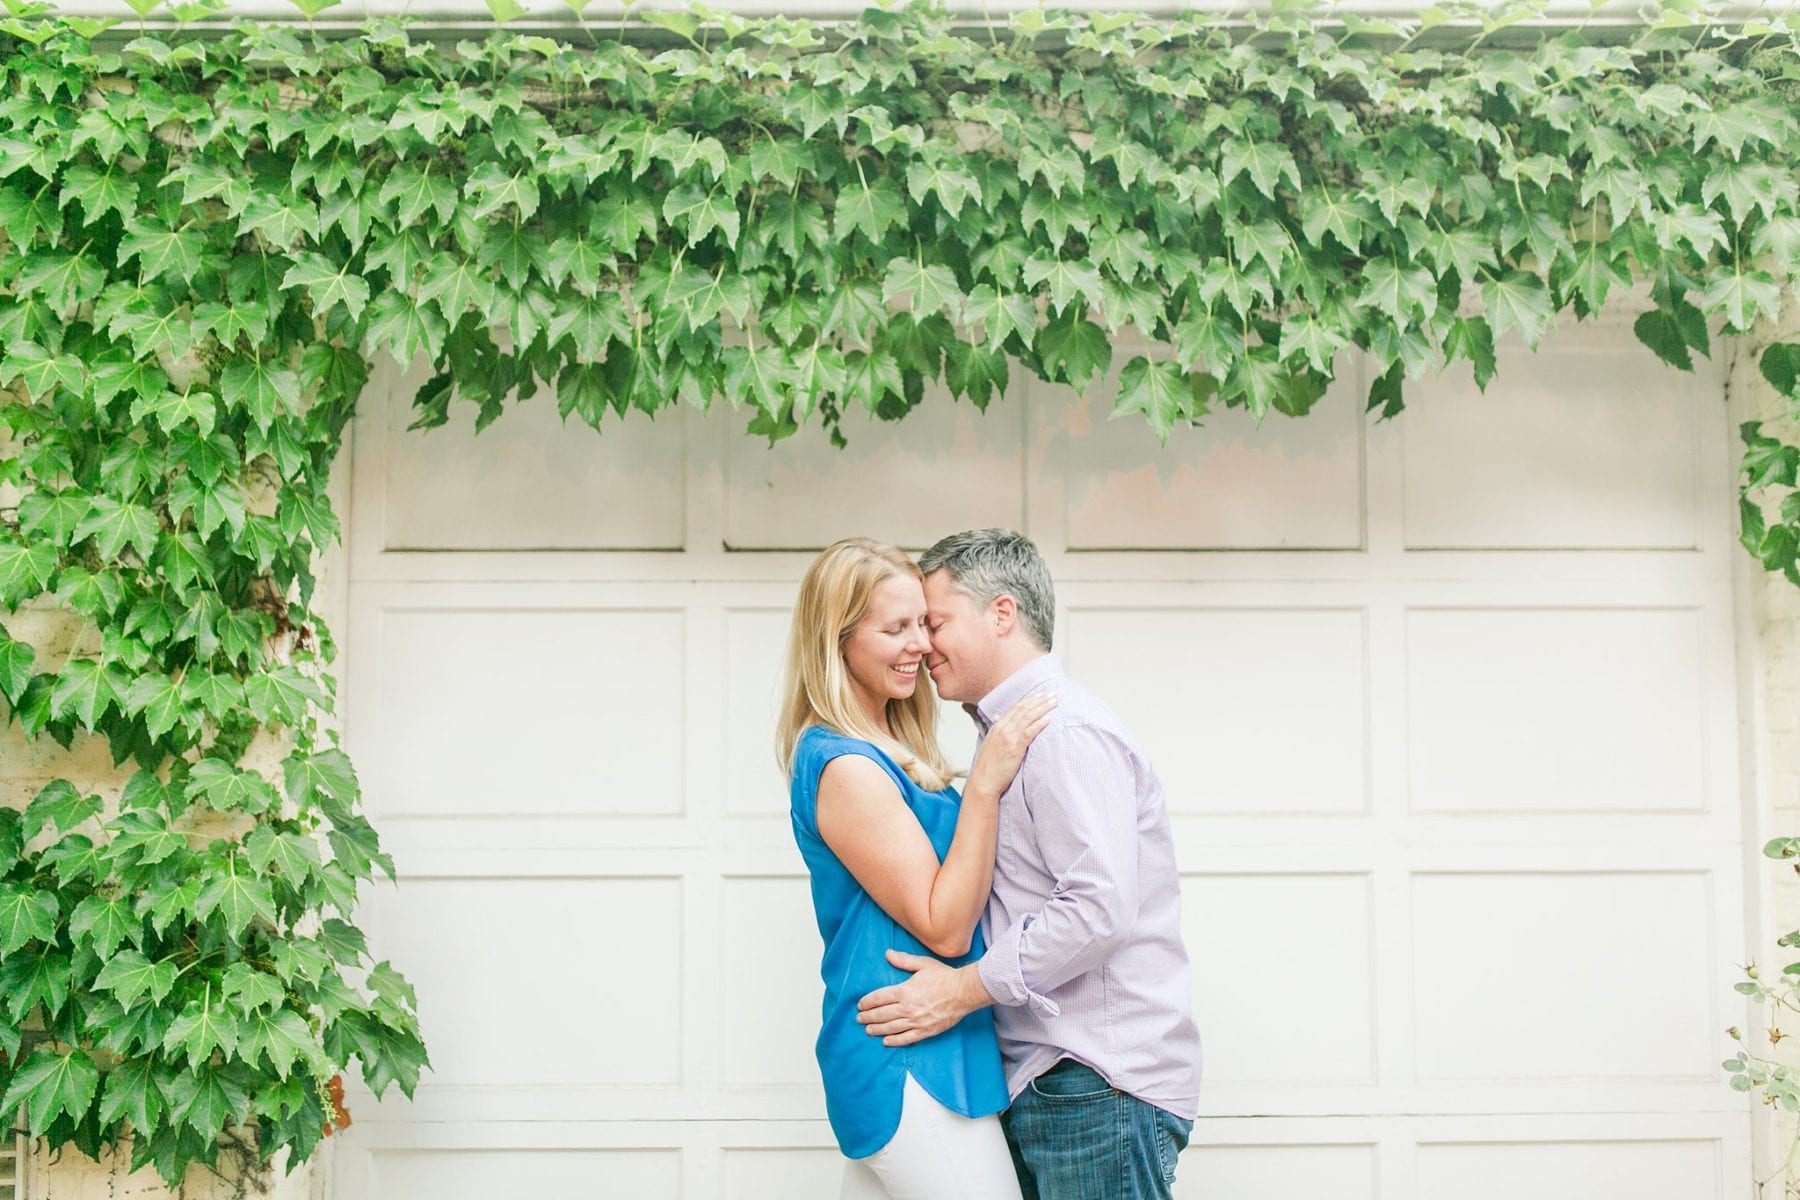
(1171, 1139)
(1069, 1082)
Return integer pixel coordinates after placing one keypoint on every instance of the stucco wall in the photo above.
(26, 768)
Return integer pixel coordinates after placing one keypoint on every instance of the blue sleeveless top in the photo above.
(960, 1068)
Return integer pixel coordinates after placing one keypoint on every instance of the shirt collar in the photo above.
(1015, 688)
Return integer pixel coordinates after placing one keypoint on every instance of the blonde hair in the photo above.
(834, 598)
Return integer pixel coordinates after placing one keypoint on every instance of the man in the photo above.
(1085, 963)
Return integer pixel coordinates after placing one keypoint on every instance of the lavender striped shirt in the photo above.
(1084, 956)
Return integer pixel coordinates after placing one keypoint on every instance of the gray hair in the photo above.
(987, 563)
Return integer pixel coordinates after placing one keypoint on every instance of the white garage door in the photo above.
(1445, 707)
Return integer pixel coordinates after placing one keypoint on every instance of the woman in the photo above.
(897, 860)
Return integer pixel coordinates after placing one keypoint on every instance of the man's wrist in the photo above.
(972, 991)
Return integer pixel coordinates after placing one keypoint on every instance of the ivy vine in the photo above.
(205, 240)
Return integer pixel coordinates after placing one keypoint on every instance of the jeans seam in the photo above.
(1123, 1107)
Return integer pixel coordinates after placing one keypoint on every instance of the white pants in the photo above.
(935, 1154)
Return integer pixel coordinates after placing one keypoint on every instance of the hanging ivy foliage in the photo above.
(205, 240)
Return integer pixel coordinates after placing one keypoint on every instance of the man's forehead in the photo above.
(941, 592)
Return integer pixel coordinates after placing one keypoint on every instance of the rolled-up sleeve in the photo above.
(1080, 787)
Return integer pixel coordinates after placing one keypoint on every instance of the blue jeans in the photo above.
(1075, 1138)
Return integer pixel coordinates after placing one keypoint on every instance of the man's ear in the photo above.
(1005, 611)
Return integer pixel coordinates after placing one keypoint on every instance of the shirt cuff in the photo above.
(1003, 975)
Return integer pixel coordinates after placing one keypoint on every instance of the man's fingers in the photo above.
(885, 1012)
(907, 962)
(879, 998)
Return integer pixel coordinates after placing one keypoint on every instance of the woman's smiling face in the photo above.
(886, 651)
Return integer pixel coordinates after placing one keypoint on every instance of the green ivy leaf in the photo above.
(101, 192)
(25, 914)
(54, 514)
(214, 505)
(140, 379)
(1520, 301)
(59, 805)
(144, 839)
(493, 188)
(1404, 293)
(1074, 350)
(405, 327)
(1780, 365)
(299, 510)
(1257, 379)
(1315, 340)
(1742, 296)
(1473, 339)
(132, 1091)
(1591, 276)
(250, 987)
(17, 661)
(51, 1084)
(76, 859)
(42, 371)
(206, 1100)
(623, 219)
(418, 190)
(1000, 316)
(238, 899)
(328, 286)
(1730, 125)
(262, 387)
(163, 253)
(1160, 392)
(324, 781)
(280, 1038)
(930, 289)
(105, 923)
(205, 1025)
(1662, 333)
(590, 322)
(157, 698)
(281, 219)
(116, 524)
(85, 689)
(762, 376)
(227, 789)
(1209, 338)
(38, 980)
(950, 183)
(1267, 164)
(872, 208)
(25, 213)
(697, 213)
(24, 571)
(1343, 218)
(1065, 282)
(172, 410)
(978, 372)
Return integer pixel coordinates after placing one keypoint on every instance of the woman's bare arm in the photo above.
(864, 820)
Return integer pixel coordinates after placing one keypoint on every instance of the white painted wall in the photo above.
(1769, 658)
(1453, 759)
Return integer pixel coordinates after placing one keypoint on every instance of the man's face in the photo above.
(963, 642)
